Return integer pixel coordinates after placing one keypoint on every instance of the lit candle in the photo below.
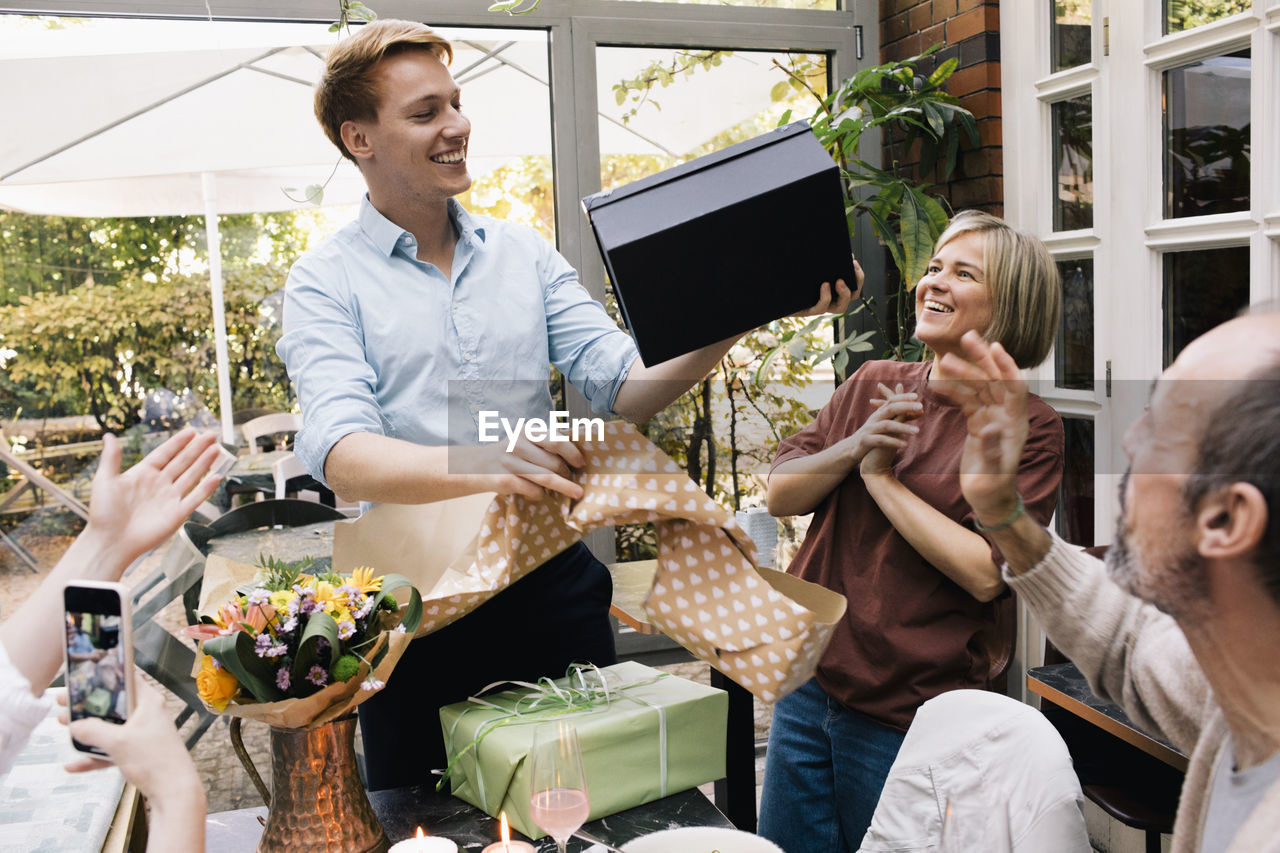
(423, 843)
(506, 845)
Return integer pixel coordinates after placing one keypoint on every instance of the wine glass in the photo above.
(972, 824)
(558, 802)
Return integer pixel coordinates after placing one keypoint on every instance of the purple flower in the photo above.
(352, 594)
(259, 597)
(282, 678)
(265, 647)
(346, 629)
(365, 607)
(318, 676)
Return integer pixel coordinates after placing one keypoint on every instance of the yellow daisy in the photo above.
(362, 579)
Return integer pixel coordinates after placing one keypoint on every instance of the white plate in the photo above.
(701, 839)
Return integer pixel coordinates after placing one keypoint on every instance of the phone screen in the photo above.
(98, 658)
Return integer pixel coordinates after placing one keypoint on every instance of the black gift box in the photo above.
(722, 244)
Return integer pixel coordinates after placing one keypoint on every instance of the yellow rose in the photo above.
(215, 685)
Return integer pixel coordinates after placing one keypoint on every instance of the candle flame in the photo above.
(420, 833)
(503, 829)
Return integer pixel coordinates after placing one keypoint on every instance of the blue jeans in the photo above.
(823, 774)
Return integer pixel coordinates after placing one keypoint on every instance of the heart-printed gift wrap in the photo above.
(762, 628)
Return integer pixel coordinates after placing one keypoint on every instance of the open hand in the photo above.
(137, 510)
(987, 384)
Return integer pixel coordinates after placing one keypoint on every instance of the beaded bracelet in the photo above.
(1008, 522)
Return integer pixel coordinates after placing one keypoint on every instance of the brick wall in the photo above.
(970, 31)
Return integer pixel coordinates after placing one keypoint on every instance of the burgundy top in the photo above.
(910, 632)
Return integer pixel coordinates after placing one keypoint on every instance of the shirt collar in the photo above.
(384, 233)
(466, 224)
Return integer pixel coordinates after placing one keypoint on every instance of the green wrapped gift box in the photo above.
(649, 735)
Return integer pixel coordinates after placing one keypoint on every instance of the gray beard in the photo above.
(1122, 565)
(1181, 586)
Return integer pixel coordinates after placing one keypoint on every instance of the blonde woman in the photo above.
(928, 611)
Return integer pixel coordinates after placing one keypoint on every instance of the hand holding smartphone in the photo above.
(99, 653)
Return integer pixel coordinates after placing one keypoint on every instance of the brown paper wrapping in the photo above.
(221, 578)
(762, 628)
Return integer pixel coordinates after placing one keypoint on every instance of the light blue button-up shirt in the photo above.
(378, 341)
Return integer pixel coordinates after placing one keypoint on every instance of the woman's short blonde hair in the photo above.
(1026, 294)
(348, 91)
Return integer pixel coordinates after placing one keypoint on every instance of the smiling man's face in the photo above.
(419, 140)
(1156, 550)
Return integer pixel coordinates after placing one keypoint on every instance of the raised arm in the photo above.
(1130, 652)
(129, 514)
(993, 395)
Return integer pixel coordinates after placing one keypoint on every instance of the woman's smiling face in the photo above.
(953, 296)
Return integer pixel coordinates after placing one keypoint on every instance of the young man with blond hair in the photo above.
(405, 325)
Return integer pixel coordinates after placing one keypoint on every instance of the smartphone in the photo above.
(99, 652)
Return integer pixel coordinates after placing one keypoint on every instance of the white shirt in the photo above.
(20, 711)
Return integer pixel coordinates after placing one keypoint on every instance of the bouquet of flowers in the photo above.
(295, 648)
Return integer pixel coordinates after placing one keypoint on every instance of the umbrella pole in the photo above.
(219, 305)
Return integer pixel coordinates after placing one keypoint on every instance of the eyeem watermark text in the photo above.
(558, 427)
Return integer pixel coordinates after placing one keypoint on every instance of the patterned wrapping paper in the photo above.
(762, 628)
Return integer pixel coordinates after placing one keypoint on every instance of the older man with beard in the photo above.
(1182, 626)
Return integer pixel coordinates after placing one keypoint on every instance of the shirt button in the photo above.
(466, 357)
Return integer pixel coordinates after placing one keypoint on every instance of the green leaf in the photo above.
(320, 626)
(917, 242)
(412, 617)
(762, 371)
(235, 653)
(779, 91)
(943, 71)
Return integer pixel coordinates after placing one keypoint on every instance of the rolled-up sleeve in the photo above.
(323, 349)
(585, 344)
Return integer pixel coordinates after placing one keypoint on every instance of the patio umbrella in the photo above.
(137, 117)
(143, 117)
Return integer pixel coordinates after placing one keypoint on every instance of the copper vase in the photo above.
(316, 802)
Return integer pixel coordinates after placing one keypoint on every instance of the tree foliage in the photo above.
(1188, 14)
(895, 99)
(99, 348)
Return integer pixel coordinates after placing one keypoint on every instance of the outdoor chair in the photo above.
(166, 658)
(269, 425)
(275, 513)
